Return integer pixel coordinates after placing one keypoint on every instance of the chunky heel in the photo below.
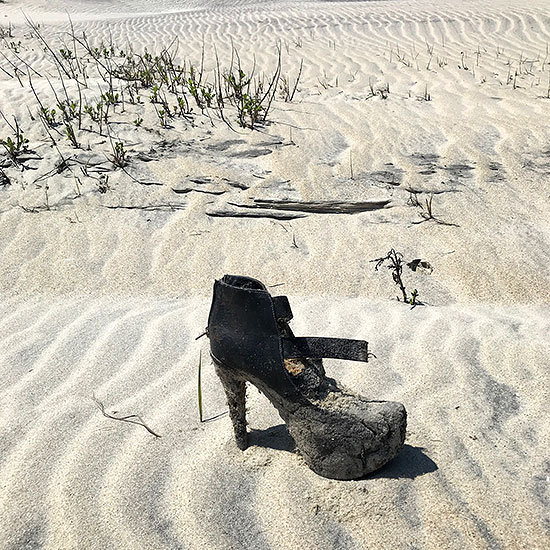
(235, 391)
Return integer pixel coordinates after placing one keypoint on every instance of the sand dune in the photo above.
(105, 283)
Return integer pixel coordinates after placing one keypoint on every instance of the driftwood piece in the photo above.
(317, 207)
(259, 213)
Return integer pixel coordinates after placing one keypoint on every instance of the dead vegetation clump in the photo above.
(394, 261)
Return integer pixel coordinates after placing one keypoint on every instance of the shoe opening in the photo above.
(243, 282)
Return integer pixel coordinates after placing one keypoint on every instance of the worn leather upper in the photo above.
(244, 327)
(243, 331)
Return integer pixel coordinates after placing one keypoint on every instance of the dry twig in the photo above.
(131, 418)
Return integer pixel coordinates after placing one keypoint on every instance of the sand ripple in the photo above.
(103, 295)
(472, 474)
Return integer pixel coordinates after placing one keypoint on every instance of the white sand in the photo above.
(108, 302)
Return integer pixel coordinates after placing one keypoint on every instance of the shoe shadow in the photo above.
(411, 462)
(276, 437)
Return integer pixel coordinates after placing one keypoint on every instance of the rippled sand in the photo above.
(103, 294)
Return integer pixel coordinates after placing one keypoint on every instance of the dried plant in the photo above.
(426, 210)
(394, 262)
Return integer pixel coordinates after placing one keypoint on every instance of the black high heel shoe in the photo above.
(340, 435)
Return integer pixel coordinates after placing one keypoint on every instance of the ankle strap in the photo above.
(330, 348)
(282, 309)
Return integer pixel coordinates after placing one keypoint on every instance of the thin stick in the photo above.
(15, 67)
(199, 386)
(34, 28)
(128, 418)
(291, 97)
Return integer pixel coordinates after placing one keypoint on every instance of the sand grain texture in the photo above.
(103, 293)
